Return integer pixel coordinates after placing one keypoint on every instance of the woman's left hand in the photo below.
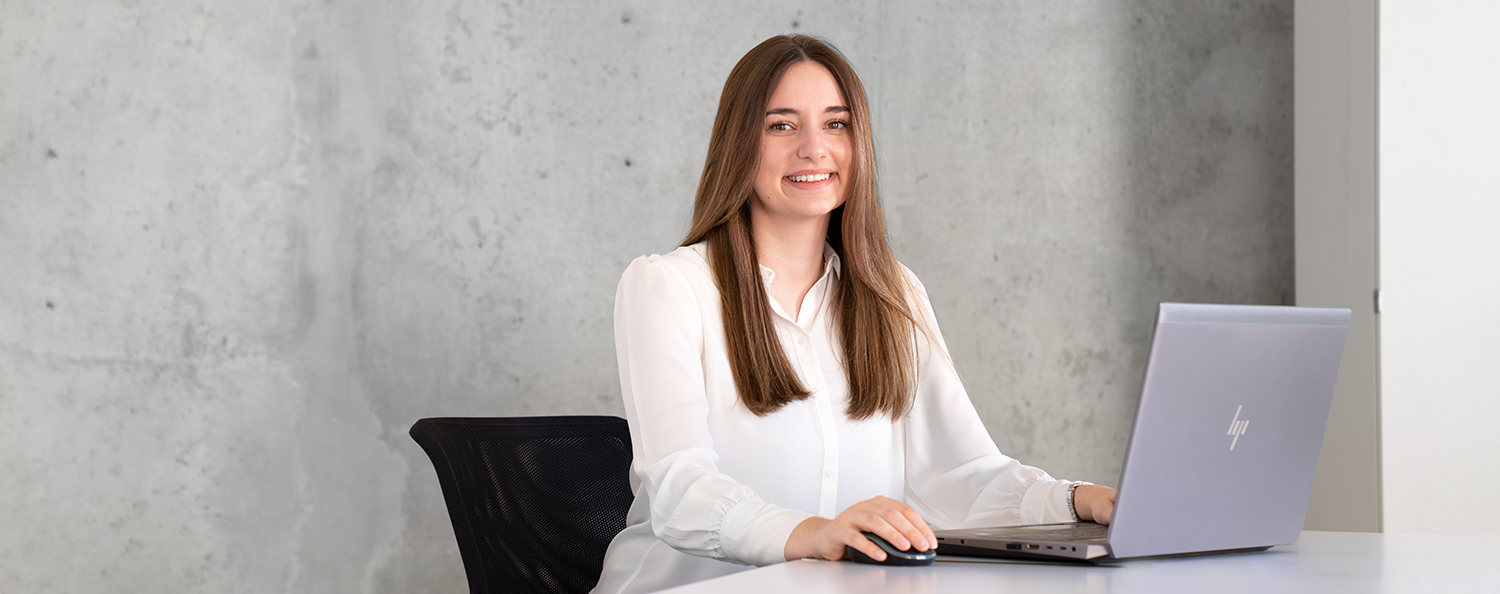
(1094, 502)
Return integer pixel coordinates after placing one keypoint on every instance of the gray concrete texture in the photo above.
(244, 245)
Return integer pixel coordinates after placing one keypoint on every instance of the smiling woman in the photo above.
(784, 379)
(805, 147)
(793, 106)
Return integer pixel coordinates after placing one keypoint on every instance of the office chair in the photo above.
(534, 501)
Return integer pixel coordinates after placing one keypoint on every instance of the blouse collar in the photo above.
(831, 265)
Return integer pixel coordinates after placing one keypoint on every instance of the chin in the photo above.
(823, 204)
(802, 207)
(818, 210)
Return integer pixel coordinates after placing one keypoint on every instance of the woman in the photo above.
(784, 378)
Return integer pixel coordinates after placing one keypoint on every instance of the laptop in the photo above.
(1224, 447)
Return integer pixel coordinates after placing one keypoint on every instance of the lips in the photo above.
(816, 177)
(808, 180)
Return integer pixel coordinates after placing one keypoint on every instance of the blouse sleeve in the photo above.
(694, 508)
(955, 476)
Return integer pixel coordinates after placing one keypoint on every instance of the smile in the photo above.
(817, 177)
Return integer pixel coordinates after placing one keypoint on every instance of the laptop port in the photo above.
(1014, 546)
(1032, 547)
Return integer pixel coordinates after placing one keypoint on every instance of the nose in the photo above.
(811, 146)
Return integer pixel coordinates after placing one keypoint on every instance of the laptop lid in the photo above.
(1228, 429)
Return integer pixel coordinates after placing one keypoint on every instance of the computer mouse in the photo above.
(893, 555)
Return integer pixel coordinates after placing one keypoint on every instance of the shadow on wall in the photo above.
(1209, 198)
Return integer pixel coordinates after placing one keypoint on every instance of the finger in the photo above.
(922, 527)
(909, 523)
(905, 535)
(858, 540)
(920, 534)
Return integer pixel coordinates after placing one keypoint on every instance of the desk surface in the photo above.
(1323, 562)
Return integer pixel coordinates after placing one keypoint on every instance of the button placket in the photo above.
(829, 422)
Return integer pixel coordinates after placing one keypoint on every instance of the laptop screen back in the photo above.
(1228, 429)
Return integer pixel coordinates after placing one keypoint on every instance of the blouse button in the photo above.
(802, 340)
(828, 473)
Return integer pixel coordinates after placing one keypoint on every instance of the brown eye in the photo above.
(780, 126)
(838, 124)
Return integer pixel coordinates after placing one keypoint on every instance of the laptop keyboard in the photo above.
(1062, 532)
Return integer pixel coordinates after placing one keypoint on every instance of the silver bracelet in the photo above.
(1071, 508)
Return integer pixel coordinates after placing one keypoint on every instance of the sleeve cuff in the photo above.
(755, 532)
(1046, 502)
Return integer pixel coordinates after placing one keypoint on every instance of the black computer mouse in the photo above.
(893, 555)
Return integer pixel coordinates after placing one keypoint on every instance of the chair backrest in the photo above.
(534, 501)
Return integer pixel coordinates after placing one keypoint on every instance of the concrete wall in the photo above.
(1439, 266)
(245, 244)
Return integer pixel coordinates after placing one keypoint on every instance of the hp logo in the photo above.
(1237, 427)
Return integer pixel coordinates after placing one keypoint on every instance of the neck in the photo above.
(793, 249)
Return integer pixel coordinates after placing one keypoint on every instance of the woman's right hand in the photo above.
(896, 522)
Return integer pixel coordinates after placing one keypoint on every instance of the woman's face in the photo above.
(805, 147)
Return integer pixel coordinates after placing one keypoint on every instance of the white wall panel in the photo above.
(1440, 265)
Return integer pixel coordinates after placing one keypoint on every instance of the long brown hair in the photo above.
(878, 328)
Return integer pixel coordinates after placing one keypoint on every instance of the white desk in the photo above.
(1321, 562)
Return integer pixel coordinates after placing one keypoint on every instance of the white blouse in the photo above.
(718, 488)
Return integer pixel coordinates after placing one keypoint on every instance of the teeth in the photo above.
(811, 178)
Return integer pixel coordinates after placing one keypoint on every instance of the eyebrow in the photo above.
(790, 111)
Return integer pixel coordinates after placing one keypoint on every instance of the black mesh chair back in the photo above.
(534, 501)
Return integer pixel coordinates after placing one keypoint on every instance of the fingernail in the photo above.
(921, 544)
